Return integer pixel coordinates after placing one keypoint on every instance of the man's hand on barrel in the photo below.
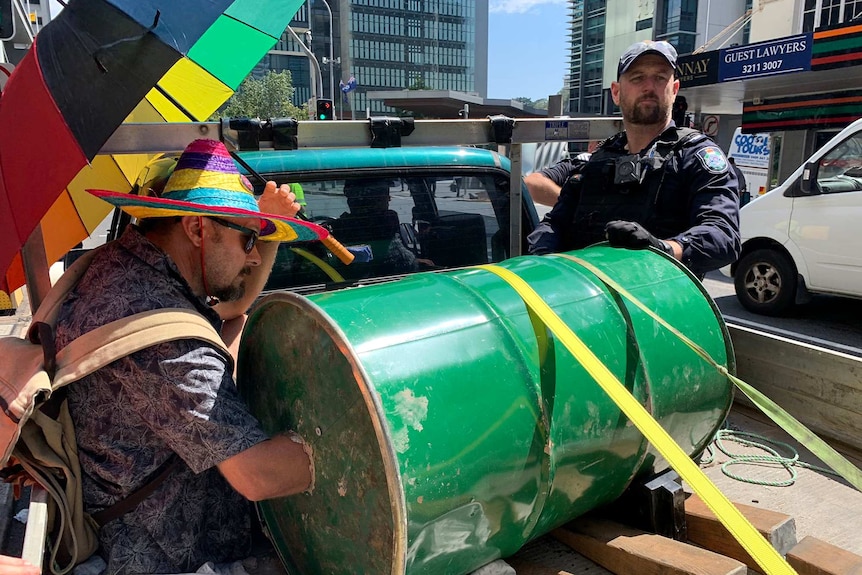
(632, 235)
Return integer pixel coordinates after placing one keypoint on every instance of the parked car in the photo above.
(803, 237)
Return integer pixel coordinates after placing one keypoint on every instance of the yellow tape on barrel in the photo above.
(825, 452)
(742, 530)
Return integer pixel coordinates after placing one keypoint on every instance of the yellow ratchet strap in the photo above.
(327, 269)
(744, 532)
(825, 452)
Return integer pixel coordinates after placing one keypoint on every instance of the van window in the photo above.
(397, 225)
(840, 170)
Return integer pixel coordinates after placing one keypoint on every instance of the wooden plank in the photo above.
(813, 556)
(705, 530)
(623, 550)
(820, 387)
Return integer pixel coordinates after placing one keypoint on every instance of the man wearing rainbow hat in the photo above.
(203, 240)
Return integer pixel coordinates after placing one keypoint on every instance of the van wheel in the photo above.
(765, 282)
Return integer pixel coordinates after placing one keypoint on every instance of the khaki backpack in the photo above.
(37, 436)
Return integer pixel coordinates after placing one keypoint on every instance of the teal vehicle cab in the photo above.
(399, 210)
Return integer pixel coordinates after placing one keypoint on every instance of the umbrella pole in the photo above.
(36, 273)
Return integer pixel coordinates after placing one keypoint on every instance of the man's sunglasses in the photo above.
(252, 235)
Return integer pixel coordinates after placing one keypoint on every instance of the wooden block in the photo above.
(813, 556)
(706, 530)
(623, 550)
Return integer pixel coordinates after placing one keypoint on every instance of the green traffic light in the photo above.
(324, 109)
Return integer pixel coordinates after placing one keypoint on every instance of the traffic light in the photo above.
(324, 109)
(7, 28)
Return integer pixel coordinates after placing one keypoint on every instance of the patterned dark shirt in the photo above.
(134, 414)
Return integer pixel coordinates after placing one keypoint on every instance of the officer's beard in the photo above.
(648, 112)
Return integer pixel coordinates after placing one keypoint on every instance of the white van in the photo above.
(805, 236)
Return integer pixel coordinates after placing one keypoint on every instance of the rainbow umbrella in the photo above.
(98, 64)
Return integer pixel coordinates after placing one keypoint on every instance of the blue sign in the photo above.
(782, 56)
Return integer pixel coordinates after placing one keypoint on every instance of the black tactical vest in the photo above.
(602, 200)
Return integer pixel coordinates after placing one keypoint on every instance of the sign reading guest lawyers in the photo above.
(781, 56)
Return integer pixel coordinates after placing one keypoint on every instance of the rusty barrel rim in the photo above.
(374, 410)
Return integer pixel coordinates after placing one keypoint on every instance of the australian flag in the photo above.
(347, 88)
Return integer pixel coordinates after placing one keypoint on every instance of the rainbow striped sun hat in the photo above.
(206, 182)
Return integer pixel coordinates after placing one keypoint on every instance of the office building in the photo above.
(389, 45)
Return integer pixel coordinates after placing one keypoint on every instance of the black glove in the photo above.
(632, 235)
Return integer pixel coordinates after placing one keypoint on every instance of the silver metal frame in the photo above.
(155, 138)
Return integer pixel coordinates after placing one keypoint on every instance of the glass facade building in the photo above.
(676, 22)
(388, 45)
(417, 44)
(586, 64)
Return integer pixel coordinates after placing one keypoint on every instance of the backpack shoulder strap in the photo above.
(110, 342)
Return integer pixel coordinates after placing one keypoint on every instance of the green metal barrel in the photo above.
(449, 429)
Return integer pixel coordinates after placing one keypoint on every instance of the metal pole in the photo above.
(331, 62)
(706, 27)
(314, 65)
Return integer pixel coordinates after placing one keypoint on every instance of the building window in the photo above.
(825, 13)
(644, 24)
(830, 14)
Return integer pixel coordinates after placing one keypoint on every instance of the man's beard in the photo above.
(648, 115)
(234, 291)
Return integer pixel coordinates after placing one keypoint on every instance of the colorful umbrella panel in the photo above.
(100, 63)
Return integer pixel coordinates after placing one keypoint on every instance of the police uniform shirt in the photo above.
(691, 197)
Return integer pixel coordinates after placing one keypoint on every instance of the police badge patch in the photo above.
(712, 159)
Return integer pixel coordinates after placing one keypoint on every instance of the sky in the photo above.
(527, 48)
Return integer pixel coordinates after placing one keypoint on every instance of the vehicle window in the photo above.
(396, 225)
(840, 169)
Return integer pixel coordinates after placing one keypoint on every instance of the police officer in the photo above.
(652, 185)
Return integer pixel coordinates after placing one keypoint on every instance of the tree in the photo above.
(268, 97)
(541, 104)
